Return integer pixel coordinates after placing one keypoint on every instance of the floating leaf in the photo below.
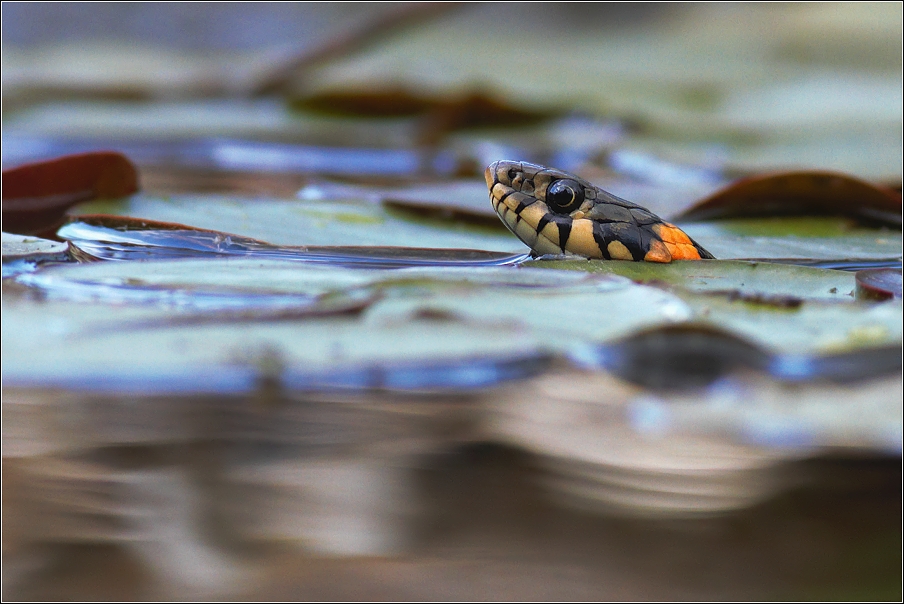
(432, 316)
(814, 327)
(751, 300)
(109, 348)
(308, 222)
(800, 193)
(724, 277)
(248, 277)
(22, 253)
(18, 247)
(820, 242)
(36, 196)
(105, 237)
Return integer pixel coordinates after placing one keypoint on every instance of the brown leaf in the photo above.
(36, 196)
(439, 115)
(800, 193)
(879, 284)
(476, 110)
(391, 102)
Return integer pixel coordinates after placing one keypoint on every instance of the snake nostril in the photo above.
(512, 173)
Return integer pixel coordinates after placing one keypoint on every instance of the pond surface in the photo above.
(275, 340)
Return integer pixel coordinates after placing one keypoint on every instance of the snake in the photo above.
(555, 213)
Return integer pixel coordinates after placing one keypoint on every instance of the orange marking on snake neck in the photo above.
(658, 253)
(681, 251)
(670, 233)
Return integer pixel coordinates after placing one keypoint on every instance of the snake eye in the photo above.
(564, 196)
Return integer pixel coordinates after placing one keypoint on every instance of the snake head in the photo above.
(536, 203)
(557, 191)
(555, 212)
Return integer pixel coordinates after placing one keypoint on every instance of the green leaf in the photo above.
(726, 276)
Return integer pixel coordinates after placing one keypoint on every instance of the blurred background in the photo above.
(734, 87)
(371, 124)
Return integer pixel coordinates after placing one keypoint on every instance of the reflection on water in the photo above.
(94, 241)
(222, 496)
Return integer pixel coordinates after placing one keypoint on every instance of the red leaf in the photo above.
(36, 196)
(800, 193)
(878, 284)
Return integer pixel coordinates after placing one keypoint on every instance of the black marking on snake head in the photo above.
(631, 237)
(599, 236)
(544, 220)
(564, 224)
(523, 204)
(502, 199)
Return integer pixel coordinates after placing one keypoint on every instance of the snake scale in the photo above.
(555, 212)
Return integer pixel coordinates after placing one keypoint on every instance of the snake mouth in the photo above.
(489, 175)
(522, 213)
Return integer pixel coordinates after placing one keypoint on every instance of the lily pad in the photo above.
(313, 222)
(105, 237)
(82, 346)
(723, 276)
(22, 253)
(433, 317)
(23, 247)
(735, 240)
(814, 327)
(751, 300)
